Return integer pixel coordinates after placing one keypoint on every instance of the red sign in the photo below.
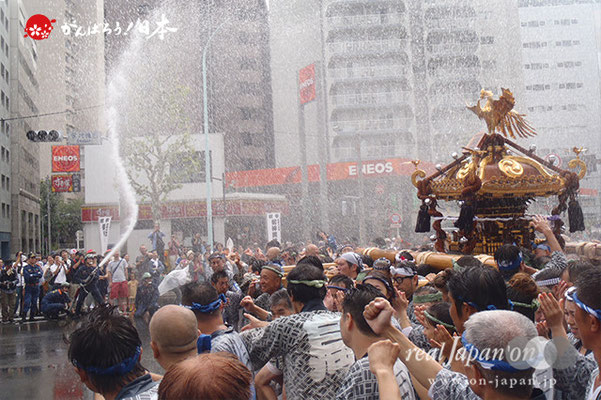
(62, 183)
(306, 84)
(588, 192)
(91, 213)
(395, 219)
(65, 158)
(334, 172)
(191, 209)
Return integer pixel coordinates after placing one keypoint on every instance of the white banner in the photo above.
(274, 227)
(104, 224)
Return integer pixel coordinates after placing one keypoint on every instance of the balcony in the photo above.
(388, 98)
(452, 48)
(455, 73)
(374, 125)
(385, 71)
(346, 153)
(365, 20)
(371, 46)
(451, 23)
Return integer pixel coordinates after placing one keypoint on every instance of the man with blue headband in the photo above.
(208, 306)
(510, 261)
(551, 246)
(496, 365)
(587, 298)
(106, 352)
(218, 262)
(216, 336)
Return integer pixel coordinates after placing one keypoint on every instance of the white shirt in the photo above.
(117, 269)
(62, 276)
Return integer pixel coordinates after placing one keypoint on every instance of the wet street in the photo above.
(34, 365)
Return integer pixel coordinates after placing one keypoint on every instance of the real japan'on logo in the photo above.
(38, 27)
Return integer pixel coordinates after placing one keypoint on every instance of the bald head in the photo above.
(312, 250)
(273, 253)
(173, 334)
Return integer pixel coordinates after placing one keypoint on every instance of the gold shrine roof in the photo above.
(500, 173)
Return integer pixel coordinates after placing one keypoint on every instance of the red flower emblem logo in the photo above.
(38, 27)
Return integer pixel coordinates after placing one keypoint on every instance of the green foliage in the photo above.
(156, 153)
(65, 217)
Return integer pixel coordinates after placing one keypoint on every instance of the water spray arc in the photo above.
(129, 216)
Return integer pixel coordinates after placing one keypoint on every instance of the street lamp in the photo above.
(208, 175)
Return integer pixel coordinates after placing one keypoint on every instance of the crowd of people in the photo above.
(325, 322)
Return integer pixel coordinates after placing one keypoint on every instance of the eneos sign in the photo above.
(371, 168)
(65, 159)
(306, 84)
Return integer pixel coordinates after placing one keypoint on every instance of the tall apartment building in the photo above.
(562, 71)
(370, 79)
(22, 101)
(468, 45)
(5, 145)
(398, 73)
(560, 52)
(240, 98)
(238, 74)
(73, 76)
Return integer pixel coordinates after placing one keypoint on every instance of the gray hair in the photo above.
(497, 328)
(495, 334)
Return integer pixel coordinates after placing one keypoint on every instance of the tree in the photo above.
(163, 159)
(65, 218)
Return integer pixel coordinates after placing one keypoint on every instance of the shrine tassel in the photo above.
(423, 220)
(575, 216)
(465, 222)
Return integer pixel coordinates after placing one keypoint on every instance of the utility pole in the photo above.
(48, 210)
(208, 176)
(302, 139)
(223, 187)
(362, 241)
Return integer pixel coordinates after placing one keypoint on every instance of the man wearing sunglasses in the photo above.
(405, 279)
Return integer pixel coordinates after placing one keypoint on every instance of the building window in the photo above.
(249, 113)
(247, 138)
(248, 64)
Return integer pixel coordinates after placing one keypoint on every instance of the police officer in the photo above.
(32, 274)
(87, 277)
(56, 301)
(147, 297)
